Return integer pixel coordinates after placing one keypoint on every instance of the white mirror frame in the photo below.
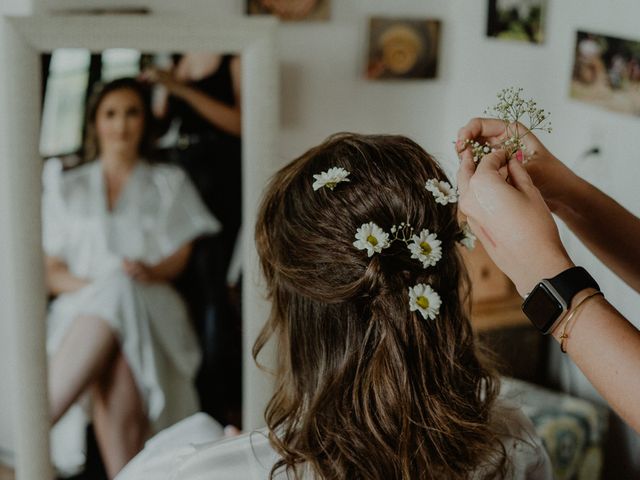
(22, 40)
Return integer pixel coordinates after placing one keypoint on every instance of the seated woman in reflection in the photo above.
(378, 374)
(117, 230)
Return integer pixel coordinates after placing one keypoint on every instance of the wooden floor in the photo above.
(5, 473)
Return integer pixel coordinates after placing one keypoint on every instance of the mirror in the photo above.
(251, 41)
(141, 212)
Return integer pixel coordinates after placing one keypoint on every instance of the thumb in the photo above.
(520, 179)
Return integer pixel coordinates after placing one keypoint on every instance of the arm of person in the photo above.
(515, 226)
(59, 279)
(223, 116)
(606, 348)
(610, 231)
(164, 271)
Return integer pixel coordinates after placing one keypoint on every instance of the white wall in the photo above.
(323, 91)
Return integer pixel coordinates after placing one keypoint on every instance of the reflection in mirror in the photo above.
(141, 222)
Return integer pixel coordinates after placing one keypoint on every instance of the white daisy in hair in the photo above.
(330, 178)
(424, 299)
(469, 239)
(372, 238)
(442, 191)
(426, 248)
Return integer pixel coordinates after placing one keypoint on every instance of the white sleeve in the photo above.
(53, 209)
(186, 217)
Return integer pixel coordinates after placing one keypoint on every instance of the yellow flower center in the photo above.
(331, 185)
(423, 302)
(372, 240)
(426, 248)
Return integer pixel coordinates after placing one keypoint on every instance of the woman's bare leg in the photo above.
(119, 420)
(84, 353)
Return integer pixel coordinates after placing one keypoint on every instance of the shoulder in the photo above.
(66, 185)
(196, 448)
(248, 456)
(53, 171)
(79, 176)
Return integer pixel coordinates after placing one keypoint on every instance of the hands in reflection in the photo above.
(138, 271)
(163, 77)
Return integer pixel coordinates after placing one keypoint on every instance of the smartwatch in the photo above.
(550, 299)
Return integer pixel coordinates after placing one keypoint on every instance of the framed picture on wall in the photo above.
(403, 48)
(606, 72)
(291, 10)
(519, 20)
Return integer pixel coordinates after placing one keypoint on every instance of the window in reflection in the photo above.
(63, 109)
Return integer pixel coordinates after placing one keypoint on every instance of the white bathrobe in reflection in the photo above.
(158, 211)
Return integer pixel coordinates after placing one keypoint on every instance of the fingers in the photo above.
(149, 74)
(520, 179)
(504, 172)
(493, 162)
(465, 172)
(482, 127)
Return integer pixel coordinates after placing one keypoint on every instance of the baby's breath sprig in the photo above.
(479, 150)
(402, 232)
(513, 109)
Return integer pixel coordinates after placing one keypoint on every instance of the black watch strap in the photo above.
(572, 281)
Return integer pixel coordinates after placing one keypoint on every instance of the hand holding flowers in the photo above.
(511, 219)
(481, 136)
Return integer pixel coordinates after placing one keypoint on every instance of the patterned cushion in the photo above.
(572, 429)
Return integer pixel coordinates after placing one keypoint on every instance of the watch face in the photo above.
(542, 308)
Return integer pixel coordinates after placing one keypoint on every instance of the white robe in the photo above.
(158, 211)
(195, 449)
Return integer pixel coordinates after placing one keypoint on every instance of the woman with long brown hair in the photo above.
(378, 373)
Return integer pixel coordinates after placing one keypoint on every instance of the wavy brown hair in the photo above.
(365, 388)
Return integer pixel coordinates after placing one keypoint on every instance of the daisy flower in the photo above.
(372, 238)
(330, 178)
(442, 191)
(426, 248)
(469, 239)
(424, 299)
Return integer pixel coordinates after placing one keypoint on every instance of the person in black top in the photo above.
(200, 98)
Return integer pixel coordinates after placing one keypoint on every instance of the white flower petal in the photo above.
(442, 191)
(425, 300)
(469, 240)
(426, 248)
(372, 238)
(330, 178)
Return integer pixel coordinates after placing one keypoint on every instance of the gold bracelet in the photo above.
(573, 313)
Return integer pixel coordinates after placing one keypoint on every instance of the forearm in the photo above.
(172, 266)
(606, 347)
(610, 231)
(225, 117)
(60, 280)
